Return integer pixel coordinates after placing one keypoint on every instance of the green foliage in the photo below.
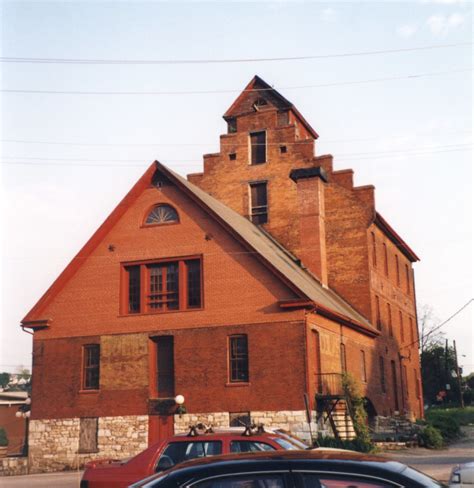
(449, 420)
(356, 444)
(430, 437)
(437, 365)
(3, 437)
(356, 401)
(4, 379)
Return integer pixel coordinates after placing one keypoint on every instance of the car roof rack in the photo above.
(202, 429)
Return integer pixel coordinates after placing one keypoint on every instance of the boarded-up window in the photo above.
(258, 148)
(382, 374)
(258, 202)
(88, 428)
(165, 366)
(389, 318)
(374, 250)
(402, 327)
(363, 367)
(343, 358)
(283, 118)
(239, 419)
(378, 319)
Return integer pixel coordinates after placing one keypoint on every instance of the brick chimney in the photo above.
(310, 183)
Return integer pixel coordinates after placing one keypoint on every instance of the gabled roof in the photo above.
(380, 222)
(256, 84)
(274, 254)
(326, 301)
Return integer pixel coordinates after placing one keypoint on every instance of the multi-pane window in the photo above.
(258, 203)
(238, 359)
(157, 287)
(383, 386)
(163, 287)
(162, 214)
(91, 367)
(258, 147)
(378, 319)
(363, 367)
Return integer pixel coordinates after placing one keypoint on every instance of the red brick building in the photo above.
(242, 288)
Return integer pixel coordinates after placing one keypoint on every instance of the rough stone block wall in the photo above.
(290, 420)
(13, 466)
(54, 443)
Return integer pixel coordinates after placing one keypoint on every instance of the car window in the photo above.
(250, 446)
(178, 452)
(342, 481)
(287, 445)
(256, 480)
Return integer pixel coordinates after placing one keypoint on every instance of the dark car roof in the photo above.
(320, 460)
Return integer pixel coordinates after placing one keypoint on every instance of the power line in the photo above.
(196, 144)
(213, 92)
(377, 154)
(442, 323)
(223, 60)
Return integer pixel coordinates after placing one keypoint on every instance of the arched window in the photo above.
(162, 214)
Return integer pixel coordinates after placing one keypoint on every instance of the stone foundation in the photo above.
(13, 466)
(54, 443)
(293, 421)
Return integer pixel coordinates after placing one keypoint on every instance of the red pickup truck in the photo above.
(108, 473)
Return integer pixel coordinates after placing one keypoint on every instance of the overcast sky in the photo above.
(67, 159)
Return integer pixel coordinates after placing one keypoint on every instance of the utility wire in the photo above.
(195, 144)
(413, 151)
(442, 323)
(253, 90)
(223, 60)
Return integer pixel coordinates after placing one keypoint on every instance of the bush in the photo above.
(356, 444)
(430, 437)
(3, 437)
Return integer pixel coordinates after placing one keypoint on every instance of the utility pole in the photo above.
(458, 374)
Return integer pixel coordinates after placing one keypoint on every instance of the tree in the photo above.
(438, 367)
(4, 379)
(428, 323)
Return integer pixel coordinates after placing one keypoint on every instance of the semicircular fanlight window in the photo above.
(162, 214)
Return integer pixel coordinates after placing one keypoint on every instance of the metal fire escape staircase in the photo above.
(333, 406)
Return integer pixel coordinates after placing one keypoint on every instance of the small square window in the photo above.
(232, 156)
(283, 149)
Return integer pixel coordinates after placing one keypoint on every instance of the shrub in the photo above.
(3, 437)
(430, 437)
(356, 444)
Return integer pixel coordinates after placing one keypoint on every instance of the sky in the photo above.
(68, 158)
